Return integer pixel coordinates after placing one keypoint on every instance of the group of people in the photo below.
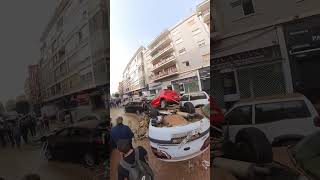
(134, 163)
(115, 103)
(12, 130)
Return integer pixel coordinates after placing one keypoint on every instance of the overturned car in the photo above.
(178, 136)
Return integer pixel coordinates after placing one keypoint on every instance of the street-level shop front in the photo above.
(303, 43)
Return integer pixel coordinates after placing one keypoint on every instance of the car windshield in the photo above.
(307, 154)
(206, 110)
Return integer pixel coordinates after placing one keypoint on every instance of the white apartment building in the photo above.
(250, 47)
(74, 52)
(133, 76)
(177, 55)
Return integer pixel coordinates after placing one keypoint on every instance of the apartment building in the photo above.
(120, 89)
(178, 54)
(134, 74)
(203, 12)
(251, 48)
(32, 85)
(74, 52)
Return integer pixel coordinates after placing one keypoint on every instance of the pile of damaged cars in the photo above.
(250, 152)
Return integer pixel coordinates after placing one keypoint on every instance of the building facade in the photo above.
(74, 52)
(178, 54)
(32, 85)
(251, 57)
(134, 74)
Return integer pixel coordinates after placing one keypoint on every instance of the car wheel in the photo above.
(189, 108)
(89, 160)
(163, 104)
(48, 154)
(253, 146)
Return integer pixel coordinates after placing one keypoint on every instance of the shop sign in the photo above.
(250, 57)
(186, 80)
(303, 38)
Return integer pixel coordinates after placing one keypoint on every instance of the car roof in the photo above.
(271, 98)
(91, 124)
(193, 93)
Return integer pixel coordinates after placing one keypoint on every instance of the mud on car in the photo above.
(178, 136)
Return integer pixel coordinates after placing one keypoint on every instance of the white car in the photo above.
(283, 119)
(181, 141)
(197, 99)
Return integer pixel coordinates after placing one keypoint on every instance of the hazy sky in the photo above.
(22, 23)
(138, 22)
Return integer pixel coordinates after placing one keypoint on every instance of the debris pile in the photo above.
(142, 129)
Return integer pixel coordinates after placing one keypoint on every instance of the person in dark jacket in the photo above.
(2, 134)
(16, 130)
(120, 131)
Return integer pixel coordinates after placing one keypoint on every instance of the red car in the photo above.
(165, 97)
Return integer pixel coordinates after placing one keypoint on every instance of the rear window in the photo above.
(271, 112)
(197, 96)
(185, 98)
(240, 116)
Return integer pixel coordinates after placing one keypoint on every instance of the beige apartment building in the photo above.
(75, 52)
(134, 74)
(178, 55)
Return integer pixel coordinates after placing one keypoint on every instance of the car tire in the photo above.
(163, 104)
(89, 160)
(253, 146)
(189, 108)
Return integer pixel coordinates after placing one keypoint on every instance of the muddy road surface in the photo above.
(185, 170)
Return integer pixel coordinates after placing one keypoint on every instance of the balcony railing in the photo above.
(166, 73)
(163, 62)
(162, 52)
(160, 43)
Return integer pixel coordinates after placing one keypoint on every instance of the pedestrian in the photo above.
(33, 125)
(10, 133)
(134, 163)
(24, 126)
(2, 134)
(16, 130)
(31, 177)
(120, 131)
(46, 122)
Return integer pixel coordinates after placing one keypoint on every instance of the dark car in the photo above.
(87, 142)
(134, 107)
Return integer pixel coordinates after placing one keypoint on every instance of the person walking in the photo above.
(2, 134)
(24, 127)
(33, 125)
(16, 131)
(134, 163)
(120, 131)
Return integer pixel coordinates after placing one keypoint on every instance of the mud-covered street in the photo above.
(186, 170)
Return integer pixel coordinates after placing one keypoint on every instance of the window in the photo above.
(229, 83)
(80, 132)
(271, 112)
(182, 51)
(196, 31)
(187, 63)
(185, 98)
(178, 41)
(240, 116)
(191, 22)
(247, 6)
(198, 96)
(201, 43)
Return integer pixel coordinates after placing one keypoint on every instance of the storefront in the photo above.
(253, 73)
(204, 74)
(186, 85)
(154, 88)
(303, 43)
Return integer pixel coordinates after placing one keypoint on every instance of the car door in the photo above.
(79, 142)
(58, 143)
(236, 119)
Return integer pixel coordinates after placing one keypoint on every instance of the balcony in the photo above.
(206, 16)
(162, 53)
(161, 44)
(166, 73)
(163, 63)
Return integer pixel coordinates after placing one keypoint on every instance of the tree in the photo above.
(11, 105)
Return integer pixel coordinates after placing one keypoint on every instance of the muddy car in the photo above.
(178, 136)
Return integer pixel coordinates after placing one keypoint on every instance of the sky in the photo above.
(22, 23)
(138, 22)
